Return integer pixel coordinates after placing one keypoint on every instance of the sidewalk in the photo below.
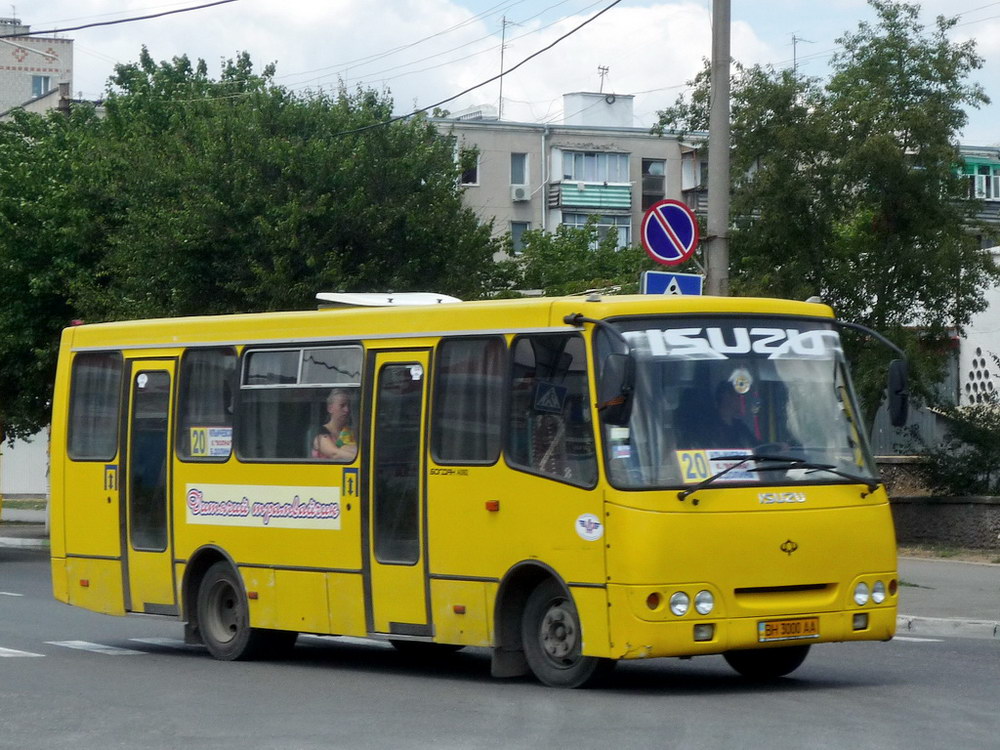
(23, 528)
(936, 597)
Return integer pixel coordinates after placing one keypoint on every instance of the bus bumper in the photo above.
(660, 633)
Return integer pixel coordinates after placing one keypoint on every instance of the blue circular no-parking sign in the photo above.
(669, 232)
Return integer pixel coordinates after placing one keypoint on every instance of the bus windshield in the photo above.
(709, 389)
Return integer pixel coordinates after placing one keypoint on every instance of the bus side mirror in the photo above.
(614, 390)
(899, 396)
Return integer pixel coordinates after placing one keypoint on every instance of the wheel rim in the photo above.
(558, 634)
(222, 620)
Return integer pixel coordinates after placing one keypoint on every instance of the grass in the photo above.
(31, 503)
(949, 552)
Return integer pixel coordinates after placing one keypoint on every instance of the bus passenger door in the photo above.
(396, 537)
(146, 542)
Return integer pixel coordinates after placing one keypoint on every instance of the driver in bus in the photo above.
(335, 439)
(730, 429)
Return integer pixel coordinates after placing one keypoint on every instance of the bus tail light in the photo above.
(653, 600)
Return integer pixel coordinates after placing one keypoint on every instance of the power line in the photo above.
(488, 81)
(120, 20)
(492, 48)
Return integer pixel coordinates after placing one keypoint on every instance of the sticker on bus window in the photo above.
(211, 442)
(697, 466)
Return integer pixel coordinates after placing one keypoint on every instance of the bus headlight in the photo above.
(861, 594)
(679, 603)
(704, 602)
(878, 592)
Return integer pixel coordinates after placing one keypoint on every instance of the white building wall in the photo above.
(24, 466)
(978, 373)
(22, 58)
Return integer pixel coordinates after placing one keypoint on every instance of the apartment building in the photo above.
(32, 67)
(596, 163)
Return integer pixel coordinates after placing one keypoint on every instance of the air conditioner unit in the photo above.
(519, 193)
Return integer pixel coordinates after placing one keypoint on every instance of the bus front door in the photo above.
(397, 559)
(146, 543)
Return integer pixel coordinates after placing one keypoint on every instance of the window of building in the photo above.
(93, 406)
(653, 181)
(518, 169)
(621, 226)
(468, 400)
(592, 166)
(517, 230)
(39, 85)
(469, 159)
(291, 398)
(205, 408)
(984, 181)
(550, 430)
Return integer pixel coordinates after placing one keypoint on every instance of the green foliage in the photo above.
(967, 461)
(572, 260)
(197, 196)
(847, 188)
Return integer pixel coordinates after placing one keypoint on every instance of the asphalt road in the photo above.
(76, 679)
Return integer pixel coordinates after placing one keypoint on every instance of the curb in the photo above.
(955, 628)
(17, 541)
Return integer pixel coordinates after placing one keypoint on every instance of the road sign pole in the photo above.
(717, 223)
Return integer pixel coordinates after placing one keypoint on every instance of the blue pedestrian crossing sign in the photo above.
(662, 282)
(669, 232)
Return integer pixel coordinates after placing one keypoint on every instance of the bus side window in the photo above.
(468, 400)
(93, 409)
(205, 409)
(284, 402)
(551, 431)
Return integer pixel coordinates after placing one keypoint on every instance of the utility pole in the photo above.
(717, 245)
(503, 45)
(795, 48)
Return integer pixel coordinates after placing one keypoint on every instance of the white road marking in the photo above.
(9, 593)
(917, 640)
(97, 648)
(14, 652)
(169, 643)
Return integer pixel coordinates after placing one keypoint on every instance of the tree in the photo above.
(847, 189)
(197, 196)
(574, 259)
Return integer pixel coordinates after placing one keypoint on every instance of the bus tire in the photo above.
(767, 663)
(550, 632)
(224, 619)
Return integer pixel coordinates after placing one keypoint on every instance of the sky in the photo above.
(426, 51)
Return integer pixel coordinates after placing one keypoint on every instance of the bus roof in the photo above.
(354, 323)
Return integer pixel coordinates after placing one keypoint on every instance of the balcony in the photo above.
(590, 195)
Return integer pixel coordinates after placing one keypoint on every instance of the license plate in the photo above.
(788, 630)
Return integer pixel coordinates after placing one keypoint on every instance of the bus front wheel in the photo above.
(550, 632)
(767, 663)
(224, 619)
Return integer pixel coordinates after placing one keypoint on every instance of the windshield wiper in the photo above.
(789, 462)
(740, 459)
(798, 463)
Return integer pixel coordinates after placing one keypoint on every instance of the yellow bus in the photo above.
(565, 481)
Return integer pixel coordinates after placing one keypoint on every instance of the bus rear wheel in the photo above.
(550, 632)
(767, 663)
(224, 619)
